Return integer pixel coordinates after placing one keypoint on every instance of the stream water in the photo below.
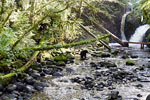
(129, 88)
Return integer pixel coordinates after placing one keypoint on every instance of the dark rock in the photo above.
(125, 56)
(12, 95)
(42, 74)
(26, 96)
(108, 64)
(1, 87)
(4, 97)
(114, 95)
(148, 97)
(20, 98)
(16, 92)
(36, 65)
(11, 87)
(29, 80)
(35, 76)
(70, 70)
(48, 71)
(49, 62)
(77, 80)
(139, 95)
(20, 86)
(105, 55)
(139, 86)
(134, 56)
(116, 52)
(93, 64)
(1, 93)
(129, 62)
(39, 86)
(57, 74)
(30, 89)
(97, 74)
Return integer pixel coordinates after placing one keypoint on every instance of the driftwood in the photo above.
(58, 46)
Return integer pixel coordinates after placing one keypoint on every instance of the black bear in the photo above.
(83, 54)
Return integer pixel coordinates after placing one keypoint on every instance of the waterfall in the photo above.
(123, 25)
(139, 33)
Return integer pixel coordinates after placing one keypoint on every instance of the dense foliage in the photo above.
(145, 7)
(29, 23)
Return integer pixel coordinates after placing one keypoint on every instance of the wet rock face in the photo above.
(148, 97)
(147, 37)
(132, 22)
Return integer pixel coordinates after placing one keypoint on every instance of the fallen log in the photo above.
(58, 46)
(101, 27)
(103, 43)
(6, 78)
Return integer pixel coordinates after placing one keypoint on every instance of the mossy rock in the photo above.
(61, 58)
(129, 62)
(125, 57)
(108, 64)
(60, 63)
(102, 54)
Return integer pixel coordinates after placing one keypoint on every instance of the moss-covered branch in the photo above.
(103, 43)
(6, 19)
(58, 46)
(5, 79)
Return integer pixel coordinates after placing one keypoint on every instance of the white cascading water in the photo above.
(123, 37)
(139, 34)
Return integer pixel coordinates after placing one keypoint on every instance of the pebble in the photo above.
(57, 74)
(11, 87)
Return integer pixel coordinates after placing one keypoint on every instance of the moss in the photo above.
(60, 58)
(60, 63)
(129, 62)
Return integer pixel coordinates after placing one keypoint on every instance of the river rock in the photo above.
(58, 74)
(29, 80)
(11, 87)
(42, 74)
(39, 86)
(30, 89)
(1, 93)
(70, 70)
(93, 64)
(20, 86)
(35, 76)
(1, 87)
(114, 95)
(134, 56)
(20, 98)
(129, 62)
(139, 95)
(105, 55)
(26, 96)
(108, 64)
(4, 97)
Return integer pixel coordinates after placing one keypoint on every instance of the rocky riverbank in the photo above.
(123, 74)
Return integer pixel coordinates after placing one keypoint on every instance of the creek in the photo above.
(89, 80)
